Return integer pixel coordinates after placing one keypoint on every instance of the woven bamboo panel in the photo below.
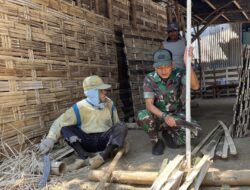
(47, 47)
(150, 16)
(121, 13)
(139, 48)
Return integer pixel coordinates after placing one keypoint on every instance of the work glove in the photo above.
(74, 139)
(46, 145)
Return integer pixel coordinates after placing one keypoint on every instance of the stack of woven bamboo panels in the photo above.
(150, 16)
(121, 13)
(47, 48)
(139, 48)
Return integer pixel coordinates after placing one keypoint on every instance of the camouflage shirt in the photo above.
(168, 94)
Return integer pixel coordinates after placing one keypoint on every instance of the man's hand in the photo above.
(190, 53)
(170, 121)
(46, 145)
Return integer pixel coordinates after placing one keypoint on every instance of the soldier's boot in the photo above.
(169, 140)
(158, 148)
(96, 161)
(79, 163)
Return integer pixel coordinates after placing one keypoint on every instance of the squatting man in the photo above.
(90, 126)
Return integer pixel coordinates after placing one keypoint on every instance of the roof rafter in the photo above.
(215, 8)
(205, 26)
(240, 8)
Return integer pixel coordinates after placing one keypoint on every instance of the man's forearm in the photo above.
(153, 109)
(195, 85)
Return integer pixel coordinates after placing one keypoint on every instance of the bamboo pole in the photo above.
(214, 177)
(109, 170)
(188, 72)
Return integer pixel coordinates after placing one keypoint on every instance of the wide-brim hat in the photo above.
(94, 82)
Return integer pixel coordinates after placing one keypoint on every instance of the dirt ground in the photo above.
(140, 158)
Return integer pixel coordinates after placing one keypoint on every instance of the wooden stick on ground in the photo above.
(219, 147)
(229, 139)
(201, 175)
(198, 147)
(209, 149)
(110, 169)
(164, 175)
(174, 181)
(194, 172)
(225, 149)
(214, 177)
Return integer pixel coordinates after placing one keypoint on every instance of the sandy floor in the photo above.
(140, 157)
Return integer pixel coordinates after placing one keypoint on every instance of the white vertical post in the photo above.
(188, 71)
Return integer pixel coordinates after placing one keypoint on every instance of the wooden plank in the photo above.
(229, 139)
(202, 175)
(193, 173)
(198, 147)
(214, 177)
(110, 169)
(163, 177)
(209, 149)
(174, 181)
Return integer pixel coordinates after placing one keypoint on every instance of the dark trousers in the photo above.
(95, 142)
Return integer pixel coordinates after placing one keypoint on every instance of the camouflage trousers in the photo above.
(153, 125)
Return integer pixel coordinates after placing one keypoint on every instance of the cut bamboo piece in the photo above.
(202, 175)
(194, 172)
(109, 170)
(126, 177)
(199, 146)
(225, 149)
(209, 149)
(174, 181)
(163, 177)
(163, 165)
(229, 139)
(218, 150)
(214, 177)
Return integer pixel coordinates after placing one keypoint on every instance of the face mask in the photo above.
(93, 98)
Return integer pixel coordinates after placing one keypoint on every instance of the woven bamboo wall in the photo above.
(121, 13)
(150, 16)
(139, 48)
(47, 47)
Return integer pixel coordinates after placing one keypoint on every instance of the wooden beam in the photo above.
(79, 3)
(169, 14)
(216, 11)
(194, 172)
(240, 8)
(165, 174)
(97, 7)
(214, 177)
(133, 13)
(110, 8)
(229, 139)
(198, 147)
(205, 26)
(109, 170)
(177, 11)
(174, 181)
(214, 8)
(202, 175)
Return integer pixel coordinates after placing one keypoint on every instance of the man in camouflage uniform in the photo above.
(164, 93)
